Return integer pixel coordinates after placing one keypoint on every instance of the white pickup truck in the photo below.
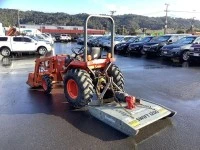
(11, 44)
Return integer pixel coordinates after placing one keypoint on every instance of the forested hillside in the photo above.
(129, 21)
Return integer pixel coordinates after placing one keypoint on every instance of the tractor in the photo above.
(91, 79)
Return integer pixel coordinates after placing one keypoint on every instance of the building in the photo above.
(72, 30)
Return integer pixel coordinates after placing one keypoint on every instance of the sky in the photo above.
(153, 8)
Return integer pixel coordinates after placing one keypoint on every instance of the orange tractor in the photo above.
(83, 74)
(91, 79)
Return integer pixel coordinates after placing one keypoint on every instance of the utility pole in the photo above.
(123, 29)
(18, 20)
(112, 12)
(166, 10)
(41, 27)
(192, 26)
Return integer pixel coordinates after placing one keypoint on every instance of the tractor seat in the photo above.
(95, 52)
(68, 59)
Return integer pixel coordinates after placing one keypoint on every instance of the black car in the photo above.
(194, 52)
(154, 47)
(137, 48)
(94, 42)
(180, 48)
(57, 38)
(121, 48)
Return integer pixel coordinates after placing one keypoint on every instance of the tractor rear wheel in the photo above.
(78, 87)
(117, 75)
(47, 84)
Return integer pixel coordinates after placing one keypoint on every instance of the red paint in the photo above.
(130, 100)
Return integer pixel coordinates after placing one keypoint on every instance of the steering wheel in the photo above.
(78, 51)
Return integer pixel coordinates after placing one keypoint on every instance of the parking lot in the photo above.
(29, 119)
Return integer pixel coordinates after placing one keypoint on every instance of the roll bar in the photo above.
(112, 34)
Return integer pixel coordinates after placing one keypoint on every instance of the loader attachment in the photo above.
(30, 80)
(129, 121)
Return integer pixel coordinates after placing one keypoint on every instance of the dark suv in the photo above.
(155, 46)
(121, 48)
(137, 48)
(180, 48)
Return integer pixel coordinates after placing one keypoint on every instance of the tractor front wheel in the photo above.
(78, 87)
(47, 84)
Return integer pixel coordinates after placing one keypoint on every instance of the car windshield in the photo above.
(35, 38)
(186, 40)
(40, 37)
(46, 36)
(163, 38)
(132, 39)
(118, 38)
(127, 38)
(154, 39)
(106, 38)
(146, 39)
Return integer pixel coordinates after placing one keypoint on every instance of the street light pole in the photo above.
(18, 20)
(165, 28)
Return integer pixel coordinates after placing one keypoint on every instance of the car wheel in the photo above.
(5, 52)
(142, 52)
(42, 50)
(185, 56)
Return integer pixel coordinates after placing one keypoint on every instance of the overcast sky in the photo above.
(155, 8)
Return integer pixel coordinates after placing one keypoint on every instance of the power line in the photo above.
(156, 12)
(183, 11)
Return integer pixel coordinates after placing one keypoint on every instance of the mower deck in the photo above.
(130, 121)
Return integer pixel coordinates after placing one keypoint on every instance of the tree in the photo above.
(180, 31)
(132, 31)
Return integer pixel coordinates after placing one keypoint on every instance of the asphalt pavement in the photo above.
(29, 119)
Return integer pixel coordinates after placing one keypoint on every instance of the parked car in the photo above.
(102, 40)
(154, 47)
(180, 48)
(121, 48)
(94, 42)
(117, 39)
(65, 37)
(10, 44)
(48, 37)
(194, 51)
(57, 37)
(137, 48)
(92, 38)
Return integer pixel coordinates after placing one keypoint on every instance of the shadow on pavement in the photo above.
(55, 104)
